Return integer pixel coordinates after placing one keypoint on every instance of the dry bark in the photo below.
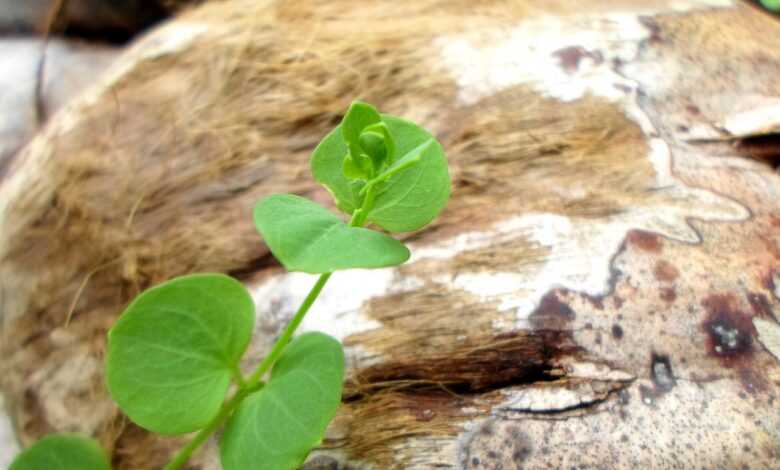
(601, 290)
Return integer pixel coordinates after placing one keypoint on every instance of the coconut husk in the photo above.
(569, 306)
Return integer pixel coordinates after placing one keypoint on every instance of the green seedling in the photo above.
(174, 355)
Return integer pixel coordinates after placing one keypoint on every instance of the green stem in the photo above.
(251, 384)
(185, 452)
(283, 340)
(360, 215)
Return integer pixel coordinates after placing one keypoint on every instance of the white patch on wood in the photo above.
(776, 283)
(764, 117)
(566, 58)
(550, 398)
(768, 335)
(581, 248)
(688, 5)
(596, 371)
(9, 446)
(338, 310)
(530, 54)
(534, 53)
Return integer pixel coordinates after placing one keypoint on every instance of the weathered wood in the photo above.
(600, 291)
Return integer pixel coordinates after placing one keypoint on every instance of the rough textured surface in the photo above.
(600, 291)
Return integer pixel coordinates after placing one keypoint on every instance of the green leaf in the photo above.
(408, 200)
(772, 5)
(276, 427)
(62, 452)
(307, 237)
(379, 144)
(407, 161)
(356, 168)
(359, 116)
(172, 353)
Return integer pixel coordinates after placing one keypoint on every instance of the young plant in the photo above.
(173, 359)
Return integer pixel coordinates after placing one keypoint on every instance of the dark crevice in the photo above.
(105, 21)
(765, 148)
(110, 35)
(114, 22)
(566, 412)
(524, 358)
(412, 384)
(253, 266)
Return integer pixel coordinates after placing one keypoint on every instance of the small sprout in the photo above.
(377, 141)
(415, 187)
(357, 164)
(174, 354)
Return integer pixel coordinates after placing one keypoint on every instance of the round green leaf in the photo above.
(307, 237)
(408, 200)
(172, 353)
(276, 427)
(62, 452)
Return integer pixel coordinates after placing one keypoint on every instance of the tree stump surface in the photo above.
(600, 292)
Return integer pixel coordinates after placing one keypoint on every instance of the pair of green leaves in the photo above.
(174, 351)
(398, 162)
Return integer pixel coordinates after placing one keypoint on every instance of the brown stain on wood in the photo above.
(760, 304)
(668, 294)
(731, 340)
(570, 57)
(645, 241)
(552, 313)
(665, 271)
(729, 331)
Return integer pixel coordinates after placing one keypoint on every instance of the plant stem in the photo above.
(288, 331)
(359, 216)
(185, 452)
(250, 385)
